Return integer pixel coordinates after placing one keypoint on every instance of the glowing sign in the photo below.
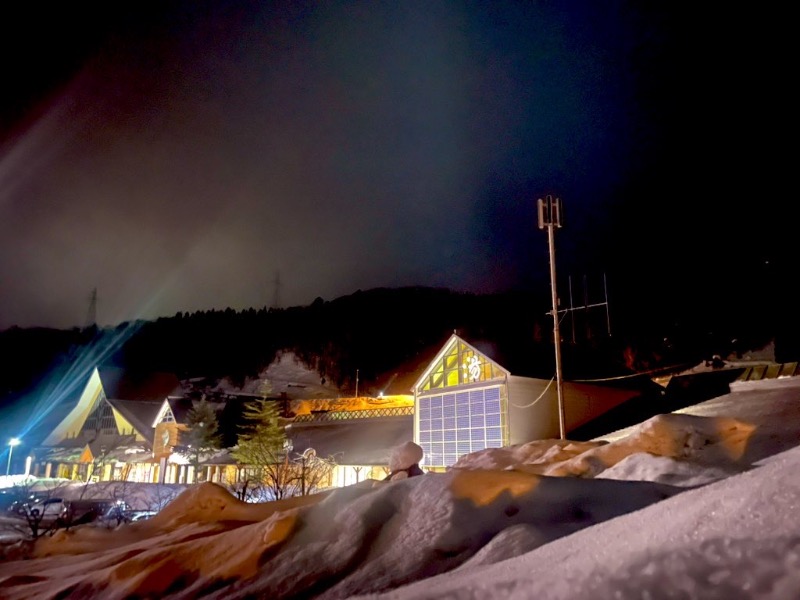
(473, 367)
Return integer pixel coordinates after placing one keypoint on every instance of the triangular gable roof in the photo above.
(452, 343)
(521, 355)
(140, 415)
(135, 401)
(124, 385)
(72, 422)
(164, 410)
(177, 406)
(229, 412)
(138, 397)
(86, 456)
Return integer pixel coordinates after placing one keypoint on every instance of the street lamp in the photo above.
(11, 443)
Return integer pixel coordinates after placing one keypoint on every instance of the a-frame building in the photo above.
(466, 401)
(109, 429)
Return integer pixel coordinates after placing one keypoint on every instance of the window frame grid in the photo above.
(442, 447)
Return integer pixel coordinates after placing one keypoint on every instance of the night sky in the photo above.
(188, 155)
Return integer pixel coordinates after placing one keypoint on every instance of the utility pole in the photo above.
(550, 212)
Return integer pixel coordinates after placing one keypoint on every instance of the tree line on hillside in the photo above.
(370, 331)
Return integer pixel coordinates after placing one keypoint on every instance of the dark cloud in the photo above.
(183, 159)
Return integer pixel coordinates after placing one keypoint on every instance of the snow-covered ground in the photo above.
(701, 503)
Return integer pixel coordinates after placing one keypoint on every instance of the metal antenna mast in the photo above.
(550, 212)
(572, 309)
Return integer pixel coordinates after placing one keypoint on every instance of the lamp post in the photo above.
(11, 443)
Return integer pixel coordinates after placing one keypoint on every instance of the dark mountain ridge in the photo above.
(369, 332)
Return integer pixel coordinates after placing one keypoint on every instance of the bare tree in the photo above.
(160, 496)
(34, 496)
(314, 473)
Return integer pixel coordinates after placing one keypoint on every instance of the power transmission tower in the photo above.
(276, 298)
(91, 314)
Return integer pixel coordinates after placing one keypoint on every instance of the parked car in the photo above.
(116, 512)
(70, 512)
(121, 512)
(18, 508)
(141, 515)
(87, 510)
(47, 510)
(7, 499)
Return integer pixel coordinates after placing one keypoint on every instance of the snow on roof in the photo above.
(286, 375)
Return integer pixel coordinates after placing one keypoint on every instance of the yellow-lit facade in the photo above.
(461, 405)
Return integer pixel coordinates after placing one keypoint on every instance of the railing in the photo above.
(758, 372)
(349, 415)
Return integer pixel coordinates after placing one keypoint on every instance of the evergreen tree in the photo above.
(267, 462)
(263, 452)
(263, 437)
(202, 432)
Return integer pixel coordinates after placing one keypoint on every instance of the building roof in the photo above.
(63, 453)
(525, 357)
(125, 385)
(116, 447)
(136, 397)
(356, 442)
(517, 353)
(401, 379)
(180, 407)
(140, 414)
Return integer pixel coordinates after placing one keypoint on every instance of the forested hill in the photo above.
(373, 331)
